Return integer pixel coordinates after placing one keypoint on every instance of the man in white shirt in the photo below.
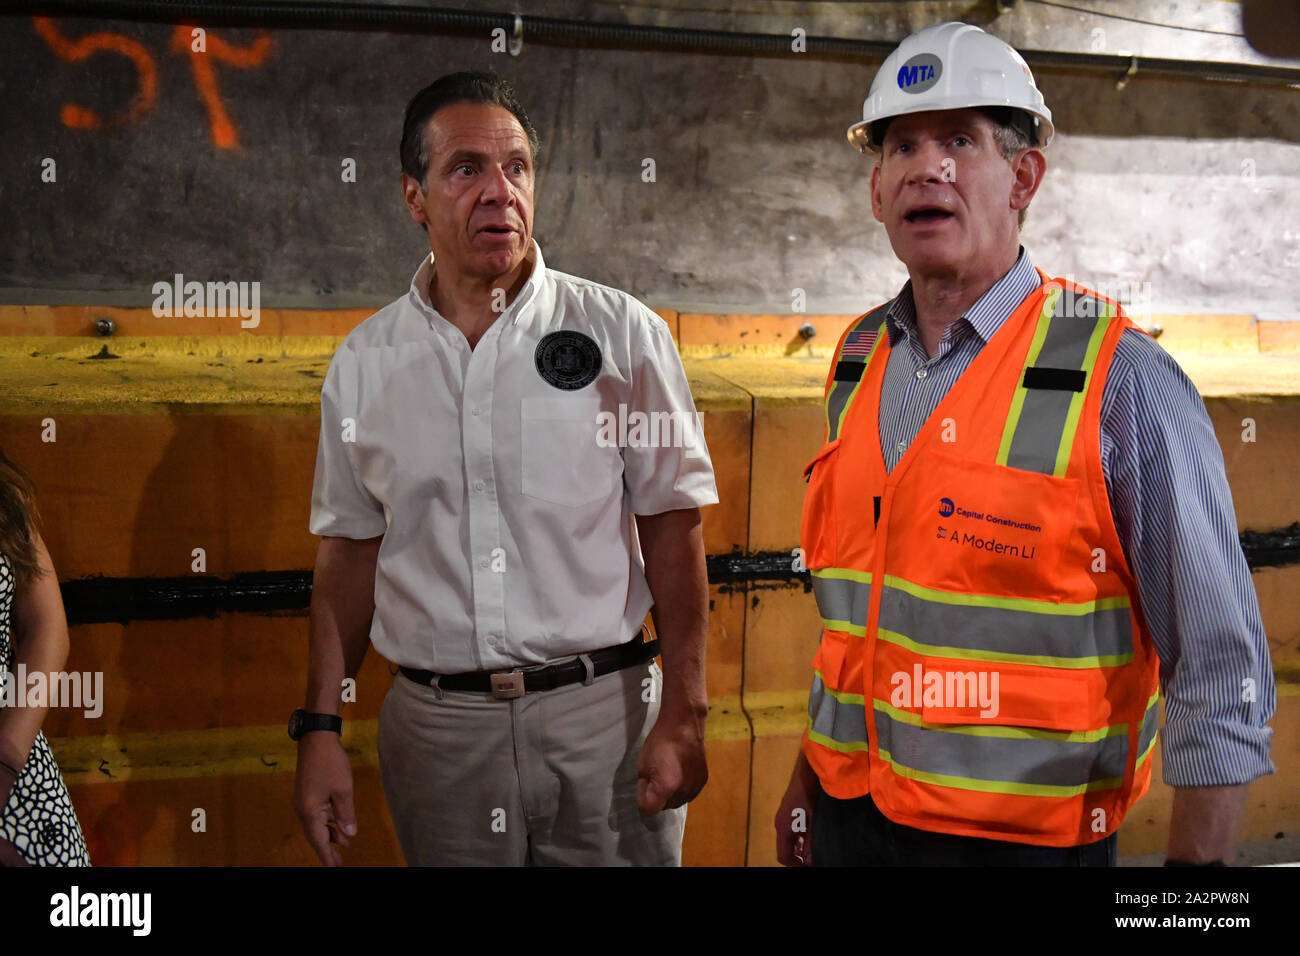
(485, 488)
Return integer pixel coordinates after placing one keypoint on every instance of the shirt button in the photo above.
(920, 373)
(483, 562)
(492, 640)
(479, 485)
(474, 410)
(901, 446)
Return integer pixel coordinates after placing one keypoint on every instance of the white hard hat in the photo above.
(951, 66)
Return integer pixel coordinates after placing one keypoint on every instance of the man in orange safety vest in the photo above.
(995, 627)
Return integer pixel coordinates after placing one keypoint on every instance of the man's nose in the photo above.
(496, 186)
(925, 165)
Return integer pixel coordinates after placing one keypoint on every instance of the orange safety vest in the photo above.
(984, 667)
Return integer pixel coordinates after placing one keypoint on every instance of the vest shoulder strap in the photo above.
(1047, 404)
(855, 352)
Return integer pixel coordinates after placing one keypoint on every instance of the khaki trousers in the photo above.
(546, 779)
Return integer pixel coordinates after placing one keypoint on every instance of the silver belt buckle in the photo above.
(507, 686)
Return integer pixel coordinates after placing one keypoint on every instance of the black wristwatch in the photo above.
(302, 722)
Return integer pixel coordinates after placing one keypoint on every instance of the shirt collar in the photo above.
(988, 312)
(419, 293)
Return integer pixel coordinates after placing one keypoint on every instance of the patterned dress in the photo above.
(38, 819)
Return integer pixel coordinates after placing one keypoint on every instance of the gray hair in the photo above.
(1011, 140)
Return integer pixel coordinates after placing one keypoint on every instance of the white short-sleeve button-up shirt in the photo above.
(503, 481)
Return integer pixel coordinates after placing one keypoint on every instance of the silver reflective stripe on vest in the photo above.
(1147, 736)
(836, 723)
(843, 601)
(1043, 418)
(1050, 634)
(1003, 759)
(838, 399)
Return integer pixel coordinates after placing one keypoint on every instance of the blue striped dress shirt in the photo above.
(1173, 509)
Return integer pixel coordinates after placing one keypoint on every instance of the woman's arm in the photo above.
(39, 632)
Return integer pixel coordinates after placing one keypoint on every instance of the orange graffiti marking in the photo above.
(224, 134)
(223, 130)
(74, 51)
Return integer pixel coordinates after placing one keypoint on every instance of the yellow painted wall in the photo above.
(189, 439)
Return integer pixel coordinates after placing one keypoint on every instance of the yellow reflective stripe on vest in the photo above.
(1092, 634)
(1018, 397)
(843, 599)
(1076, 399)
(990, 786)
(1011, 733)
(1027, 765)
(837, 402)
(1042, 421)
(1147, 736)
(961, 653)
(835, 719)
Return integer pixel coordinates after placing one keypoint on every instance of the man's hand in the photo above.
(322, 794)
(794, 818)
(671, 769)
(342, 606)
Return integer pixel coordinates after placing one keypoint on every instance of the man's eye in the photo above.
(961, 141)
(465, 168)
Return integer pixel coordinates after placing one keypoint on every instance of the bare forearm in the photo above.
(342, 606)
(1203, 826)
(40, 636)
(40, 653)
(806, 775)
(673, 547)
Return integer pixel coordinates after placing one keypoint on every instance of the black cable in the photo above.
(579, 33)
(400, 18)
(101, 599)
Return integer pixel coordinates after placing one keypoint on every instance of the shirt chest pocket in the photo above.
(563, 459)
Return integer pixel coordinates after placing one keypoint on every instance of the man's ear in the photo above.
(1027, 171)
(877, 209)
(413, 195)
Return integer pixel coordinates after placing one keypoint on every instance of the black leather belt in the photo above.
(506, 685)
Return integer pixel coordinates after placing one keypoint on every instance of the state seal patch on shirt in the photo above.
(567, 359)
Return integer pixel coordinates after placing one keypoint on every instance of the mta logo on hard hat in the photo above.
(946, 507)
(920, 73)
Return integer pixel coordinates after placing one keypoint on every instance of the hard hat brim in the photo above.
(859, 135)
(860, 138)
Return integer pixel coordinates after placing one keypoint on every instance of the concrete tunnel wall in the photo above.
(1190, 186)
(206, 435)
